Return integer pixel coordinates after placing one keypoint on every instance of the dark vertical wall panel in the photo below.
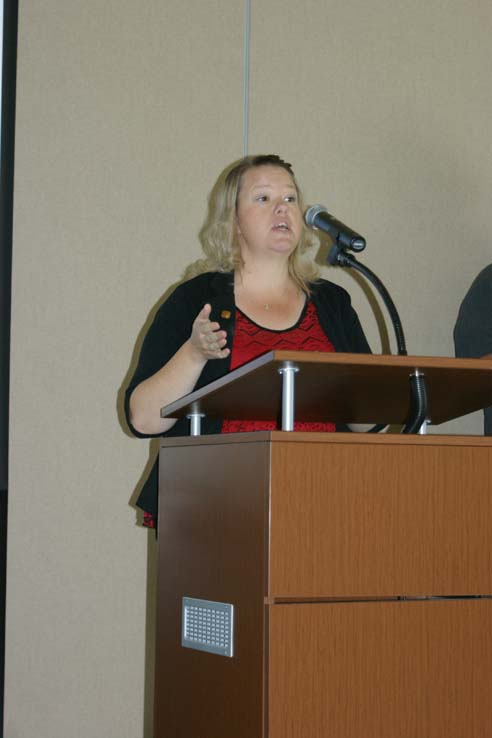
(6, 203)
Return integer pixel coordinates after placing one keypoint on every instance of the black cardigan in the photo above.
(172, 325)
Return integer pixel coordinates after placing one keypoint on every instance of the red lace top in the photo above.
(252, 340)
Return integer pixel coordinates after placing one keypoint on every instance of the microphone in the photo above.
(317, 216)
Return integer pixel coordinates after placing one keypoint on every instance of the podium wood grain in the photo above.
(312, 537)
(400, 518)
(416, 669)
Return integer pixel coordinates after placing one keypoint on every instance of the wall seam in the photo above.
(247, 36)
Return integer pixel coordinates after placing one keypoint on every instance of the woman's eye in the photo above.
(290, 198)
(262, 198)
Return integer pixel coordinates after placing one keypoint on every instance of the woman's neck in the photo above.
(272, 300)
(263, 280)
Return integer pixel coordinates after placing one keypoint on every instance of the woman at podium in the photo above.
(257, 290)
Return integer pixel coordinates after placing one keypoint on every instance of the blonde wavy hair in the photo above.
(218, 235)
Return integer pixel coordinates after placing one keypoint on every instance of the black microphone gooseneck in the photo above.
(338, 256)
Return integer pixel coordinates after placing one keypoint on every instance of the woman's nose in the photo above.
(280, 206)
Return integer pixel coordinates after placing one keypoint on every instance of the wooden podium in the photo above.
(359, 566)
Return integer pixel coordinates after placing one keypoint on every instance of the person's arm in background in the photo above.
(473, 329)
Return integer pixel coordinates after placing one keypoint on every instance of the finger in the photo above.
(202, 320)
(219, 353)
(215, 350)
(214, 337)
(204, 313)
(209, 328)
(213, 341)
(216, 342)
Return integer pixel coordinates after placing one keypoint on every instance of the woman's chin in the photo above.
(282, 246)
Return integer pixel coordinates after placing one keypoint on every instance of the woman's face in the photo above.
(269, 219)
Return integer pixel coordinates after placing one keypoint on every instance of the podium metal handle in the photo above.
(195, 423)
(288, 370)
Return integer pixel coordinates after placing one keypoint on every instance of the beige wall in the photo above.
(126, 113)
(385, 108)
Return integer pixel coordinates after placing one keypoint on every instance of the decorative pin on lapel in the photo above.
(226, 314)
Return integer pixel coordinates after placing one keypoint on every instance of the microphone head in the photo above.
(312, 212)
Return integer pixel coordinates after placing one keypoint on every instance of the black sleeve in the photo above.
(170, 328)
(338, 318)
(473, 329)
(356, 337)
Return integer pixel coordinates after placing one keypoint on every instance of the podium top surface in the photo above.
(343, 388)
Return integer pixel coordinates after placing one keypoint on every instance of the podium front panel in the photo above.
(416, 669)
(401, 516)
(315, 539)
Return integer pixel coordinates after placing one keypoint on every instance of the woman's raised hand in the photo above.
(207, 338)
